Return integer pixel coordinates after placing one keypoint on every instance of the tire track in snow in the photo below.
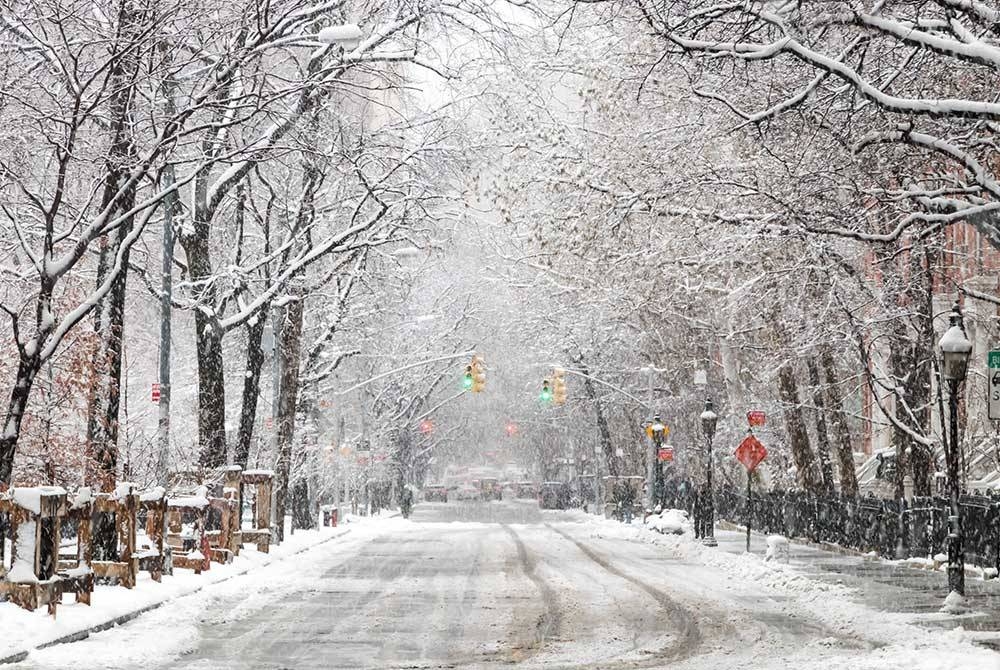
(549, 623)
(688, 634)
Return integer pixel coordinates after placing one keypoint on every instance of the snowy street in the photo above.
(490, 584)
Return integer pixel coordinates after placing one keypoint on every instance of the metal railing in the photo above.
(892, 529)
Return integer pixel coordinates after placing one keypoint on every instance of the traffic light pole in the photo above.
(651, 454)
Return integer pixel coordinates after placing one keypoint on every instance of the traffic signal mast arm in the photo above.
(604, 383)
(394, 371)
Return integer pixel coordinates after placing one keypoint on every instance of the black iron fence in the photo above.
(893, 529)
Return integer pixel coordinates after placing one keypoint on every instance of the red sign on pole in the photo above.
(666, 454)
(156, 392)
(756, 418)
(750, 453)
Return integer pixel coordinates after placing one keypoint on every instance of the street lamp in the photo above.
(708, 421)
(955, 350)
(657, 431)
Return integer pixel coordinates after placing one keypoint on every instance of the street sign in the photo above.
(666, 454)
(750, 453)
(756, 418)
(994, 382)
(156, 391)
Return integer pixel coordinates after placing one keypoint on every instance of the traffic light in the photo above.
(558, 387)
(468, 381)
(478, 374)
(546, 394)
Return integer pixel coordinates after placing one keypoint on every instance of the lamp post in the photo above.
(709, 419)
(955, 350)
(657, 431)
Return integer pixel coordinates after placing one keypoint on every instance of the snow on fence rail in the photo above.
(187, 531)
(893, 529)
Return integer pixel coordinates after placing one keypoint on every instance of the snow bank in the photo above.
(900, 643)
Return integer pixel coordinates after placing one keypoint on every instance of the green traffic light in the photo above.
(467, 382)
(545, 395)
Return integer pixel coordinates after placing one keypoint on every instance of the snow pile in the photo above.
(777, 548)
(955, 604)
(23, 569)
(672, 521)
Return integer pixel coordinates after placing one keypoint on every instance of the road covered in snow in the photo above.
(493, 584)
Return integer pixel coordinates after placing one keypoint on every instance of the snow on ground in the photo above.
(251, 581)
(898, 642)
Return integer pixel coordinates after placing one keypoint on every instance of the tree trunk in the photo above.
(208, 338)
(842, 432)
(805, 461)
(920, 387)
(822, 436)
(290, 351)
(901, 365)
(602, 421)
(109, 317)
(27, 370)
(251, 387)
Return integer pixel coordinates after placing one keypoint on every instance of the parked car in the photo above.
(467, 492)
(553, 495)
(527, 490)
(435, 493)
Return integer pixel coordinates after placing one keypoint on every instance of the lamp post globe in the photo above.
(709, 419)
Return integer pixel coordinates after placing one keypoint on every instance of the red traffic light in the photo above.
(511, 429)
(426, 426)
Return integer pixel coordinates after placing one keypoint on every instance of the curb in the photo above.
(825, 546)
(83, 634)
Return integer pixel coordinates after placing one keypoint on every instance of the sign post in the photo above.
(993, 378)
(750, 453)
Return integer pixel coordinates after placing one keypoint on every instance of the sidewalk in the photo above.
(889, 586)
(25, 631)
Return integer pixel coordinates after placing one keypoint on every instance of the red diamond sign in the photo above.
(750, 453)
